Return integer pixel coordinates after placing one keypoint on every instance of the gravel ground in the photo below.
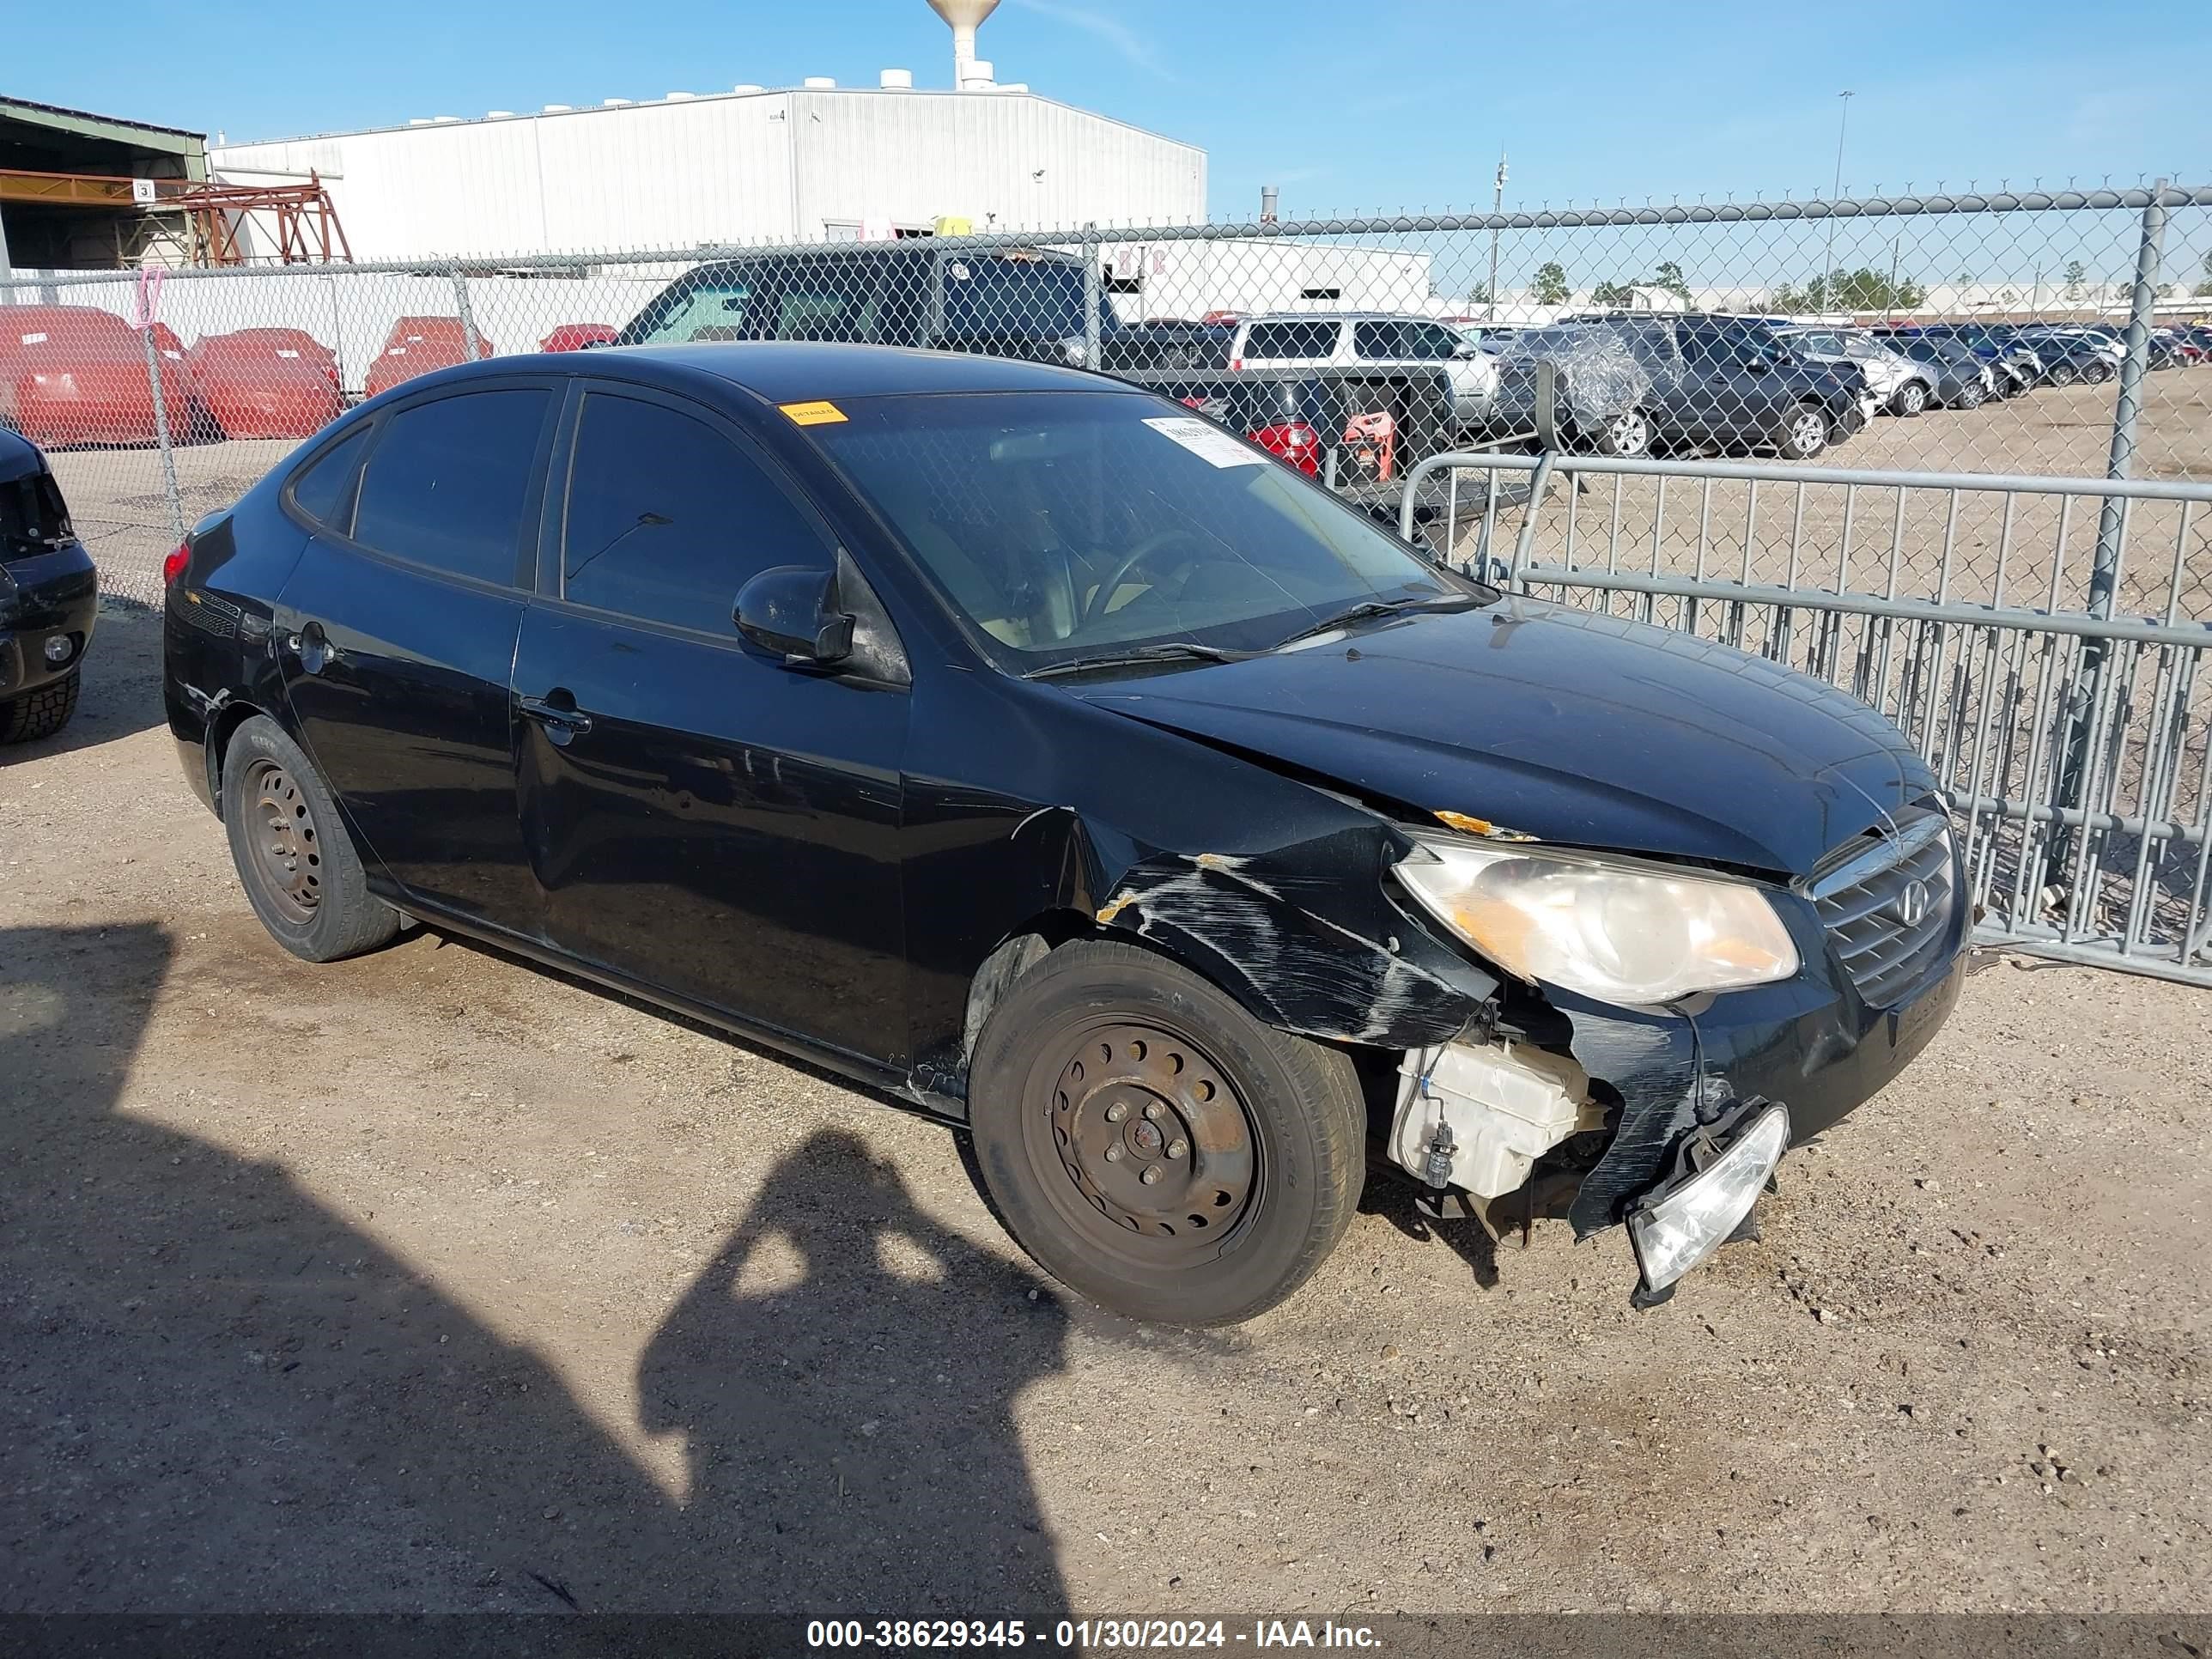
(431, 1281)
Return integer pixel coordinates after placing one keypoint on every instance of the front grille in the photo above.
(1885, 900)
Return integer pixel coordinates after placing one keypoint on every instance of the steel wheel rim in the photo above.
(1126, 1100)
(279, 834)
(1808, 434)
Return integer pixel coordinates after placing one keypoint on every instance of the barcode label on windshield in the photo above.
(1208, 443)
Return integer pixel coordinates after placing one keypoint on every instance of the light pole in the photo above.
(1496, 206)
(1828, 259)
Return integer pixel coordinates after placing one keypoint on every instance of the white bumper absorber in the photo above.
(1478, 1116)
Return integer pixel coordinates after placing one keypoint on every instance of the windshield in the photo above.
(1079, 524)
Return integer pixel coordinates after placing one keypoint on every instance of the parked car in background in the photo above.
(1023, 303)
(579, 336)
(1900, 385)
(1376, 340)
(1632, 385)
(2068, 359)
(76, 375)
(264, 383)
(1166, 342)
(1024, 747)
(418, 344)
(1961, 380)
(49, 598)
(2015, 365)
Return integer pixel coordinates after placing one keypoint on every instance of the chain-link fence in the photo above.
(1978, 333)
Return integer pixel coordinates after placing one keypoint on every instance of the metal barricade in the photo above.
(2053, 676)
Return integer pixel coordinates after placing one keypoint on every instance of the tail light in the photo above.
(1296, 443)
(173, 566)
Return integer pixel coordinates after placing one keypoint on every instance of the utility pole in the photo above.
(1828, 259)
(1496, 206)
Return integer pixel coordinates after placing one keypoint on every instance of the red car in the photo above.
(418, 344)
(75, 375)
(265, 383)
(579, 337)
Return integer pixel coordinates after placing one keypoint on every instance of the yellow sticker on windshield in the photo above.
(815, 414)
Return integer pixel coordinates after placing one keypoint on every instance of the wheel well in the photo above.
(221, 730)
(1025, 946)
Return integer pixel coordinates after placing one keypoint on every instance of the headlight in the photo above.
(1620, 932)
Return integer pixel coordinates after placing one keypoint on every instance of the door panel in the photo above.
(396, 636)
(725, 829)
(698, 816)
(399, 688)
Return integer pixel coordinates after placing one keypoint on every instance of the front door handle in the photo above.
(561, 720)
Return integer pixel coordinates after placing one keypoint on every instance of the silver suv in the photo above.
(1371, 339)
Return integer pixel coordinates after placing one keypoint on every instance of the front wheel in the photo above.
(42, 712)
(298, 869)
(2063, 373)
(2098, 372)
(1972, 397)
(1155, 1147)
(1912, 398)
(1628, 435)
(1807, 433)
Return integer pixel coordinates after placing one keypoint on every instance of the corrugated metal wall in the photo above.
(753, 168)
(1005, 161)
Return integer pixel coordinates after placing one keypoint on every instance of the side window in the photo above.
(1378, 342)
(1432, 341)
(324, 490)
(1266, 341)
(448, 482)
(667, 519)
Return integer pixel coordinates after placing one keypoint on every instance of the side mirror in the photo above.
(791, 611)
(1757, 364)
(1466, 349)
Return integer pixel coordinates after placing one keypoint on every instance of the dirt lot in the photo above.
(432, 1281)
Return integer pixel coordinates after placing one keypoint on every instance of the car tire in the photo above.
(201, 426)
(2098, 372)
(1628, 435)
(1972, 398)
(2063, 373)
(42, 712)
(295, 860)
(1096, 1067)
(1806, 433)
(1912, 399)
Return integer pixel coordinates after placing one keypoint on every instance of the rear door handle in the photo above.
(561, 720)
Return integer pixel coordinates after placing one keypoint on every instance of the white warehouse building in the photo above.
(807, 164)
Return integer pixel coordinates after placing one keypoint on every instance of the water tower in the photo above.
(964, 16)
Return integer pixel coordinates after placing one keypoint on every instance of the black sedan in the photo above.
(49, 596)
(1025, 746)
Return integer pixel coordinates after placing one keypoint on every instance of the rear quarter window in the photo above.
(323, 489)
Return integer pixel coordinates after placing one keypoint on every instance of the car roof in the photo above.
(788, 371)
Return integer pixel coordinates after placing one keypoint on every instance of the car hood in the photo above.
(1567, 724)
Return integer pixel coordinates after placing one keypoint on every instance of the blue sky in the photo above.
(1376, 104)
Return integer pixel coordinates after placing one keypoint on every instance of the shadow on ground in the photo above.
(218, 1393)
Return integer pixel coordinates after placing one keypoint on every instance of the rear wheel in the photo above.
(1972, 397)
(1805, 432)
(1626, 435)
(2063, 373)
(42, 712)
(2098, 372)
(1154, 1145)
(298, 869)
(1912, 398)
